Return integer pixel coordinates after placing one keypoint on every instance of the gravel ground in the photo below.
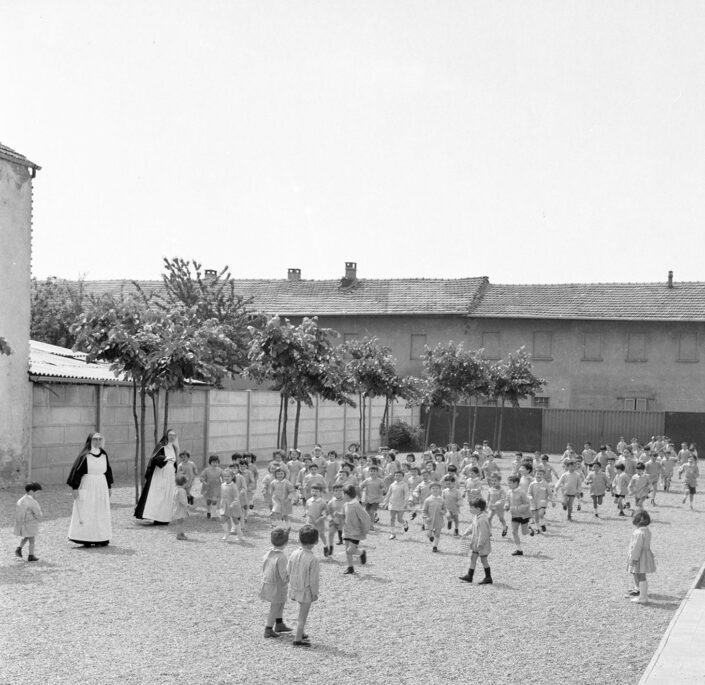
(151, 609)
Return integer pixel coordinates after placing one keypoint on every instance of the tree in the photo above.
(512, 380)
(371, 368)
(5, 347)
(300, 362)
(56, 305)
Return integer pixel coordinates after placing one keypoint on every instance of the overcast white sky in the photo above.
(525, 141)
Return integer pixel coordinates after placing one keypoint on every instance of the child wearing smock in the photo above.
(211, 478)
(229, 506)
(282, 494)
(480, 545)
(453, 499)
(497, 498)
(597, 486)
(641, 559)
(27, 515)
(181, 505)
(691, 478)
(639, 486)
(304, 576)
(434, 510)
(316, 512)
(275, 582)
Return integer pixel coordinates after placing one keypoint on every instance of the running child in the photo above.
(691, 472)
(453, 499)
(652, 467)
(433, 511)
(356, 525)
(518, 507)
(336, 517)
(211, 479)
(27, 516)
(373, 489)
(641, 558)
(229, 507)
(639, 486)
(540, 493)
(396, 501)
(304, 576)
(620, 488)
(598, 483)
(275, 582)
(282, 494)
(497, 498)
(480, 545)
(316, 512)
(420, 493)
(569, 484)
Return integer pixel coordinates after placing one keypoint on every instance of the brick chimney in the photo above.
(293, 274)
(670, 279)
(350, 271)
(210, 275)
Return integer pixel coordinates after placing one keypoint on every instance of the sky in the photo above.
(529, 142)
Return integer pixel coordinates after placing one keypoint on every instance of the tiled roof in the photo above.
(50, 361)
(327, 298)
(12, 156)
(685, 301)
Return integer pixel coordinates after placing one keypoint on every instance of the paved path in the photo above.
(680, 657)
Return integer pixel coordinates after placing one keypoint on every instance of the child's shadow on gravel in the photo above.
(374, 579)
(19, 575)
(334, 651)
(110, 550)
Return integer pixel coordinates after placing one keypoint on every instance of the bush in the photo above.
(402, 436)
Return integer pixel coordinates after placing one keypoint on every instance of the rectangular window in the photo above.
(688, 347)
(592, 347)
(540, 402)
(543, 345)
(418, 345)
(636, 347)
(490, 345)
(636, 404)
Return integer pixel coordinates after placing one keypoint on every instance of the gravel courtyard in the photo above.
(151, 609)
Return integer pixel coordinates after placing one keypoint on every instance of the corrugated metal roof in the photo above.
(12, 156)
(327, 297)
(685, 301)
(50, 361)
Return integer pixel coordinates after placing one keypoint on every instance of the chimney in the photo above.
(210, 275)
(670, 279)
(293, 274)
(350, 271)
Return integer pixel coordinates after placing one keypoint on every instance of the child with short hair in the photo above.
(336, 517)
(453, 499)
(188, 468)
(540, 493)
(373, 489)
(433, 510)
(569, 484)
(597, 482)
(181, 505)
(304, 576)
(396, 501)
(641, 559)
(473, 484)
(480, 545)
(282, 494)
(620, 487)
(420, 493)
(639, 486)
(668, 464)
(652, 468)
(497, 498)
(316, 512)
(230, 509)
(690, 469)
(275, 581)
(356, 525)
(27, 515)
(518, 506)
(211, 478)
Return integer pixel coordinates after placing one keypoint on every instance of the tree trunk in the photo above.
(474, 424)
(384, 427)
(279, 422)
(428, 426)
(361, 405)
(166, 411)
(143, 421)
(154, 396)
(499, 432)
(494, 431)
(285, 418)
(452, 422)
(138, 475)
(296, 423)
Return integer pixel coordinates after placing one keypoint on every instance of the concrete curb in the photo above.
(650, 677)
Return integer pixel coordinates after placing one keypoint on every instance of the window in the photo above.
(418, 344)
(688, 347)
(540, 402)
(636, 347)
(490, 344)
(543, 345)
(592, 347)
(636, 404)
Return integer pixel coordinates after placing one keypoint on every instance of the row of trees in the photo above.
(198, 329)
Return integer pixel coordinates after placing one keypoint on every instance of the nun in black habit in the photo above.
(157, 499)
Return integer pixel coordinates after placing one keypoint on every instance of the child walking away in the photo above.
(480, 545)
(211, 479)
(355, 527)
(434, 510)
(188, 468)
(569, 484)
(691, 478)
(181, 505)
(520, 511)
(304, 573)
(27, 515)
(597, 482)
(641, 559)
(275, 581)
(336, 517)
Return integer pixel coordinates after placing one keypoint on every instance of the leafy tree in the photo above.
(371, 369)
(5, 347)
(512, 380)
(300, 362)
(56, 305)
